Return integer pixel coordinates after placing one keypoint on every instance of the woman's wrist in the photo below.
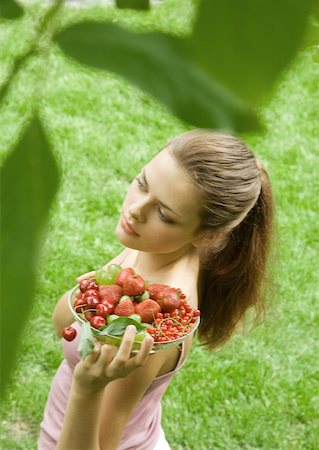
(87, 390)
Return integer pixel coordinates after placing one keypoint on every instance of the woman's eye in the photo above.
(163, 217)
(140, 183)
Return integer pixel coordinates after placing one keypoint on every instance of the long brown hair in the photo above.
(236, 222)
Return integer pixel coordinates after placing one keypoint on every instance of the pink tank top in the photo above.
(143, 428)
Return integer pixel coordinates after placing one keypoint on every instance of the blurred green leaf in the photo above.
(133, 4)
(247, 43)
(10, 9)
(311, 38)
(315, 56)
(87, 340)
(29, 180)
(160, 65)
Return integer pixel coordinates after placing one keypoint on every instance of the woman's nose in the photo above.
(137, 211)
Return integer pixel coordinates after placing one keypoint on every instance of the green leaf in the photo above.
(246, 44)
(87, 340)
(118, 326)
(29, 180)
(10, 9)
(133, 4)
(161, 65)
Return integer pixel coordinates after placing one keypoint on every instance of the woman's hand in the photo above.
(85, 276)
(107, 363)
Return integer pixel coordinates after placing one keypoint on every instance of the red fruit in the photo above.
(109, 305)
(84, 284)
(112, 293)
(121, 276)
(157, 290)
(92, 302)
(91, 292)
(79, 305)
(148, 310)
(88, 315)
(168, 301)
(124, 308)
(97, 322)
(69, 333)
(133, 285)
(102, 310)
(92, 285)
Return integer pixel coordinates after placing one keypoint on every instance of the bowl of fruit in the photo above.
(117, 297)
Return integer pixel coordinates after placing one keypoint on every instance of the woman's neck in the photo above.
(156, 262)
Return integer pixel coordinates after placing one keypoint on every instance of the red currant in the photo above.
(151, 330)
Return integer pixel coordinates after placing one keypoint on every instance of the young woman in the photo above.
(197, 217)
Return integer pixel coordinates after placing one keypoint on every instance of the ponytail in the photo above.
(232, 280)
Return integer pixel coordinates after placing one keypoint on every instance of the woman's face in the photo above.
(160, 213)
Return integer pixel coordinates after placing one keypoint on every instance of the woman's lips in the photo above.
(127, 227)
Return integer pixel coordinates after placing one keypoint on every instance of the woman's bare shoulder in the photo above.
(119, 259)
(185, 277)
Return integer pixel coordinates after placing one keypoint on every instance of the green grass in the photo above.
(261, 390)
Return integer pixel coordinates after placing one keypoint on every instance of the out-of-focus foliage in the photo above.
(10, 9)
(214, 78)
(29, 180)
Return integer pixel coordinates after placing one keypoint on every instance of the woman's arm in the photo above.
(106, 387)
(62, 316)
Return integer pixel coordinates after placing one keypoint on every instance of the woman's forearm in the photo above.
(80, 430)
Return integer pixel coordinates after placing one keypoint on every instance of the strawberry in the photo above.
(125, 307)
(157, 290)
(148, 310)
(112, 293)
(169, 300)
(133, 285)
(121, 276)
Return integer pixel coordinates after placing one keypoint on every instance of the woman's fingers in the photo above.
(105, 358)
(124, 359)
(141, 357)
(85, 276)
(94, 355)
(126, 345)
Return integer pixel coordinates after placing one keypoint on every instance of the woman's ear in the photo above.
(203, 238)
(214, 239)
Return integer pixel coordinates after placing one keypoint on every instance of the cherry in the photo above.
(84, 284)
(97, 322)
(79, 305)
(69, 333)
(92, 301)
(88, 315)
(93, 285)
(102, 310)
(110, 305)
(91, 292)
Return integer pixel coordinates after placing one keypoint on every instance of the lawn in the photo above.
(261, 390)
